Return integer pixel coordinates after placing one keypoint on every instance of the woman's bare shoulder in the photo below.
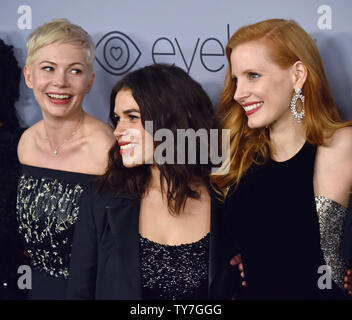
(335, 156)
(28, 141)
(340, 142)
(99, 133)
(100, 126)
(333, 169)
(31, 132)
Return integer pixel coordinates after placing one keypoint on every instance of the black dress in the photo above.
(48, 205)
(11, 255)
(174, 272)
(275, 222)
(111, 261)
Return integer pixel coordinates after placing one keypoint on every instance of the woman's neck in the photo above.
(155, 179)
(286, 139)
(57, 130)
(155, 184)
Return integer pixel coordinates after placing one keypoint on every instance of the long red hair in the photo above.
(287, 43)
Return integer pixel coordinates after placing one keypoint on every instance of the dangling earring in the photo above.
(298, 95)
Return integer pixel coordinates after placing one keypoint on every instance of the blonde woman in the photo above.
(290, 175)
(60, 153)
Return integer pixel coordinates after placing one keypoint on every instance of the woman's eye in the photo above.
(132, 117)
(47, 68)
(128, 117)
(253, 75)
(76, 71)
(234, 80)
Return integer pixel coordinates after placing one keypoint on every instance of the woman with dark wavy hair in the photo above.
(10, 254)
(154, 232)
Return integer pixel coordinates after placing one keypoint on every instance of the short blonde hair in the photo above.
(63, 31)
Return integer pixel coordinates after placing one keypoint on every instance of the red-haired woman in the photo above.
(290, 176)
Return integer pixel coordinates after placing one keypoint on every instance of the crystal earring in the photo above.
(298, 95)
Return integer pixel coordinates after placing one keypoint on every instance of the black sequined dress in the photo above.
(174, 272)
(48, 205)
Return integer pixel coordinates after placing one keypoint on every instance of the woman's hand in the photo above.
(347, 280)
(237, 261)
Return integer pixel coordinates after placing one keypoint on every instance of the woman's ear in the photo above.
(299, 74)
(27, 76)
(91, 81)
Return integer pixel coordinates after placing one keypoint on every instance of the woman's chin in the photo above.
(130, 162)
(129, 165)
(256, 124)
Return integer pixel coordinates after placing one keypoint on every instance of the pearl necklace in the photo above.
(56, 150)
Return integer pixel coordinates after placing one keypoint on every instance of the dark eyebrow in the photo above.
(127, 112)
(130, 111)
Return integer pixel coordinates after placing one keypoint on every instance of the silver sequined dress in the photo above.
(332, 216)
(48, 203)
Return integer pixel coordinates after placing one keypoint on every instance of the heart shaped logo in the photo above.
(116, 53)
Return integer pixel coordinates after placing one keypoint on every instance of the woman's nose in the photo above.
(60, 79)
(119, 129)
(241, 93)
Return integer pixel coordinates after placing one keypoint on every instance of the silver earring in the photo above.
(298, 95)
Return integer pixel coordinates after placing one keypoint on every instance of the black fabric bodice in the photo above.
(174, 272)
(48, 205)
(276, 225)
(11, 256)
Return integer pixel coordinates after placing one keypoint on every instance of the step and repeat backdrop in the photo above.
(189, 33)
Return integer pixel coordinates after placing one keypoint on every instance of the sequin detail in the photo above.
(332, 216)
(47, 210)
(175, 272)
